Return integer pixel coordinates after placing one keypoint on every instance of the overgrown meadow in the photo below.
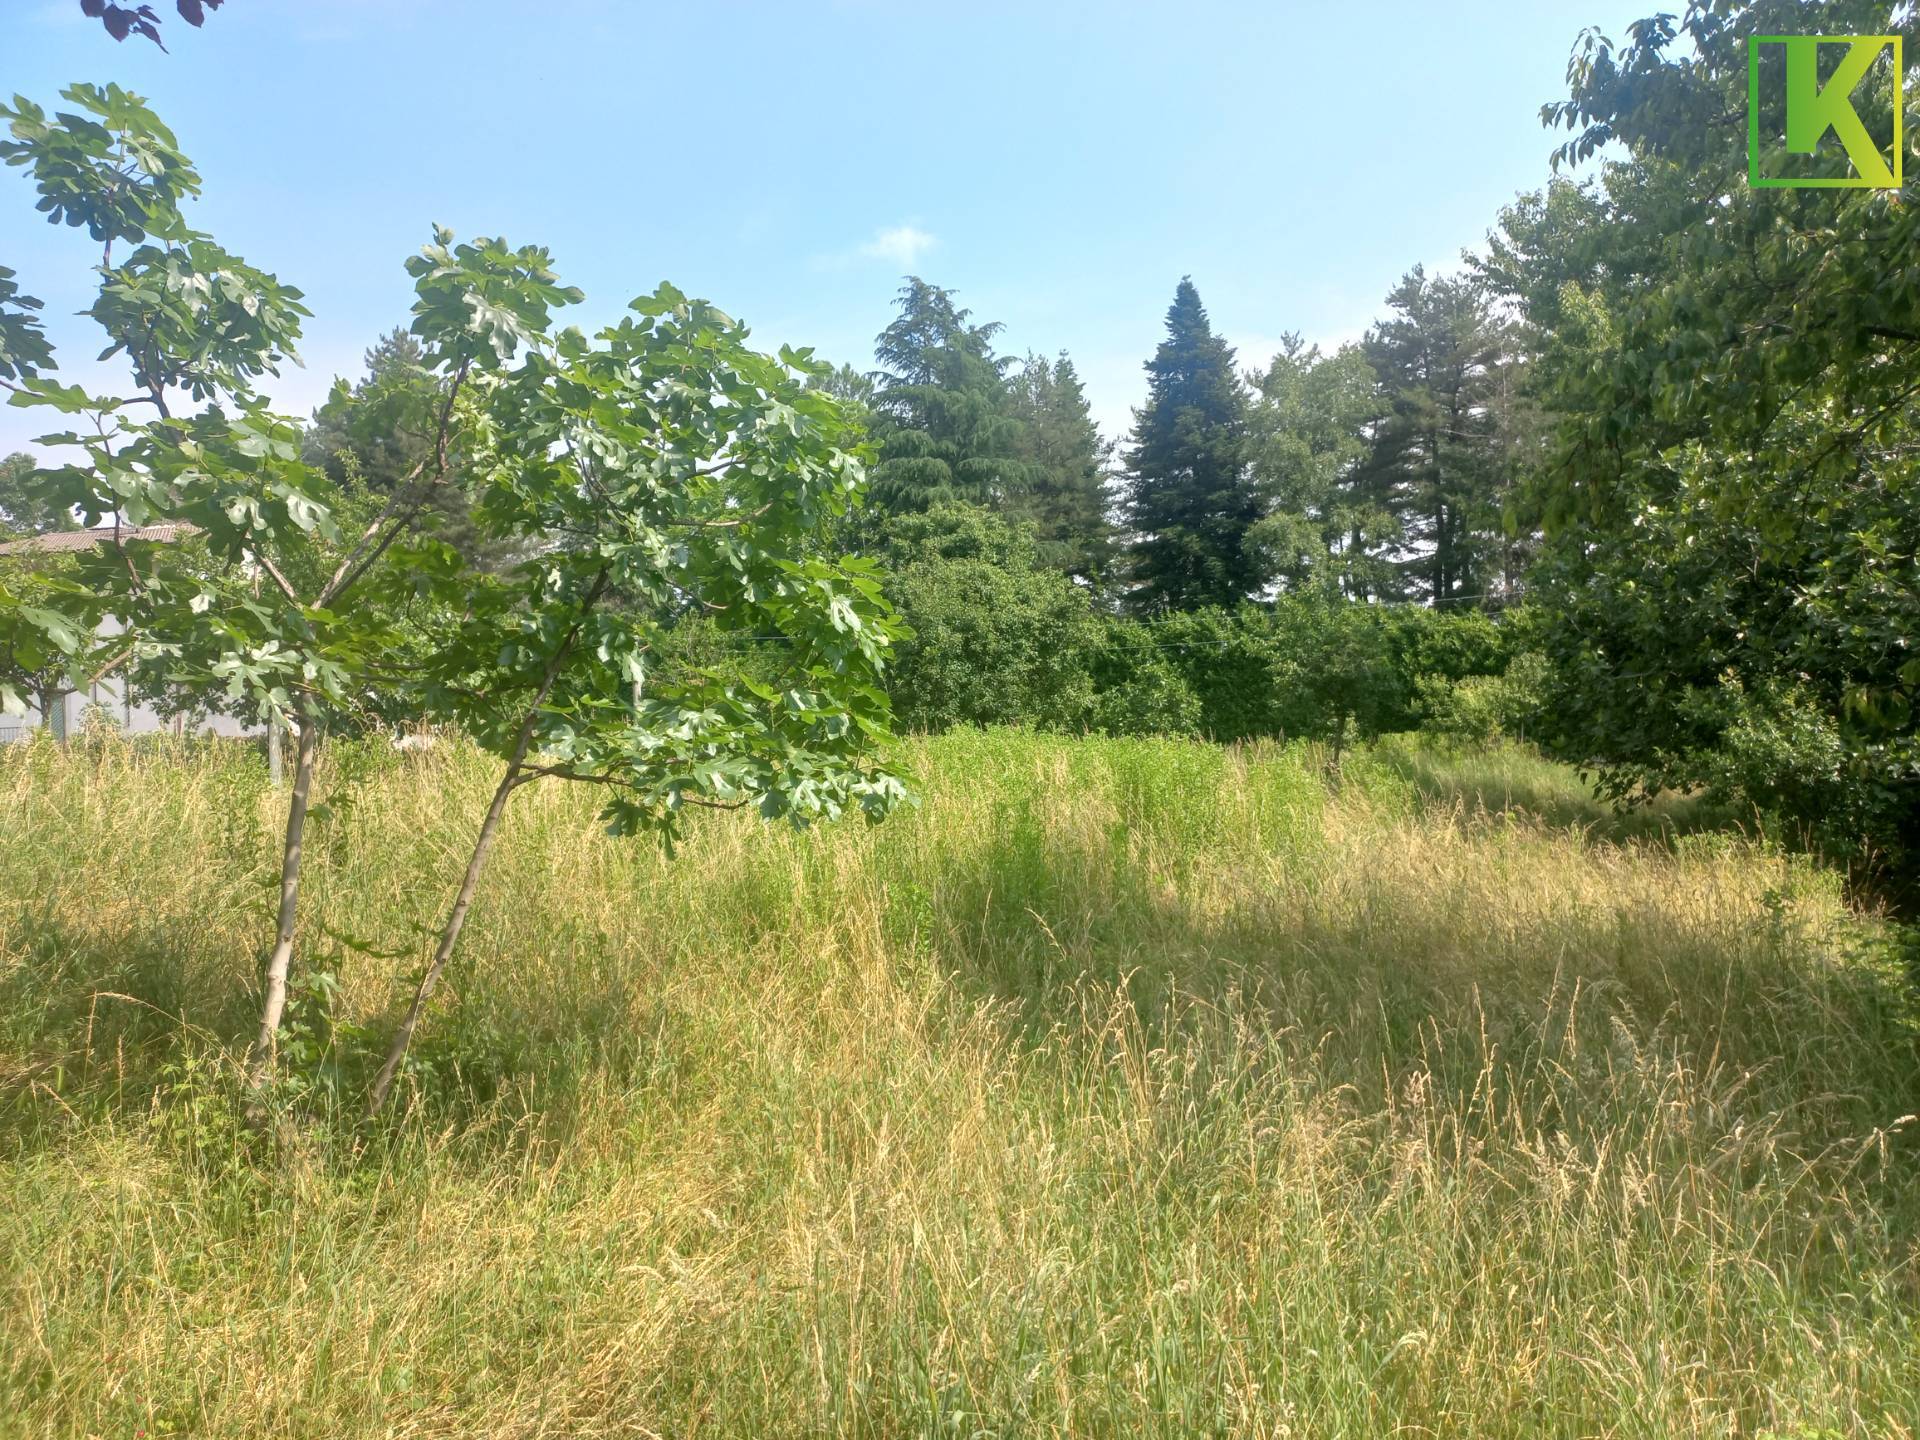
(1123, 1088)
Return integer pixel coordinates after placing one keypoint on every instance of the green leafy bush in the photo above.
(1139, 690)
(996, 638)
(999, 639)
(1485, 708)
(1234, 663)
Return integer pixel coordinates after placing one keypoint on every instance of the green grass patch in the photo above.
(1123, 1088)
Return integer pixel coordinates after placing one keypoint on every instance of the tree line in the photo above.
(1659, 424)
(1380, 471)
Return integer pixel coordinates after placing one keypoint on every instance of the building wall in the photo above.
(133, 719)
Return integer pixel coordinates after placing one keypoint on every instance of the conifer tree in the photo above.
(942, 415)
(1191, 499)
(373, 437)
(1066, 500)
(1437, 458)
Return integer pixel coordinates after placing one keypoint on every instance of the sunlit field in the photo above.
(1123, 1088)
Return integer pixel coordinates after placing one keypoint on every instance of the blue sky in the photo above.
(1060, 164)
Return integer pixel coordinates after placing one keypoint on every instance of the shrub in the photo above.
(1485, 708)
(1139, 690)
(996, 639)
(1233, 663)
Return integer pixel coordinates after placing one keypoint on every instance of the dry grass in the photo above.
(1127, 1088)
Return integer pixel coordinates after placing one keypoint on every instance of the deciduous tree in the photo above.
(195, 445)
(1309, 430)
(1730, 590)
(673, 471)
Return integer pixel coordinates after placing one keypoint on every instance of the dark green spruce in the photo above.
(1191, 499)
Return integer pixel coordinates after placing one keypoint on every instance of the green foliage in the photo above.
(1453, 644)
(1309, 436)
(942, 416)
(855, 390)
(477, 302)
(1318, 667)
(24, 351)
(1235, 664)
(46, 618)
(1730, 587)
(375, 440)
(662, 469)
(1190, 498)
(24, 506)
(1483, 709)
(999, 639)
(671, 470)
(204, 626)
(189, 315)
(1341, 682)
(1434, 483)
(1065, 494)
(995, 637)
(1139, 689)
(114, 168)
(952, 422)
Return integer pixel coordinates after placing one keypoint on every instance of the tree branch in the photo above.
(359, 560)
(530, 773)
(279, 580)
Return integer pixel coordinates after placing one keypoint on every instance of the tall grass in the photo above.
(1126, 1088)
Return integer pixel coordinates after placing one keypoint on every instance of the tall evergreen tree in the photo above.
(1191, 499)
(1310, 425)
(942, 413)
(23, 510)
(376, 436)
(1437, 457)
(1066, 496)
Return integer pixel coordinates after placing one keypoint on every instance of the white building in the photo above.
(110, 693)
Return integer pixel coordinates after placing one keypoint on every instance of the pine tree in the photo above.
(1191, 499)
(23, 511)
(1310, 424)
(1066, 498)
(942, 413)
(371, 436)
(1437, 461)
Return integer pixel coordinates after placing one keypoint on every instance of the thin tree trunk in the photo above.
(456, 918)
(470, 882)
(307, 749)
(275, 1003)
(276, 763)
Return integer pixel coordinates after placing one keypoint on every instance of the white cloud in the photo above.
(901, 245)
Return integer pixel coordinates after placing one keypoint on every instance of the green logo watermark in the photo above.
(1813, 109)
